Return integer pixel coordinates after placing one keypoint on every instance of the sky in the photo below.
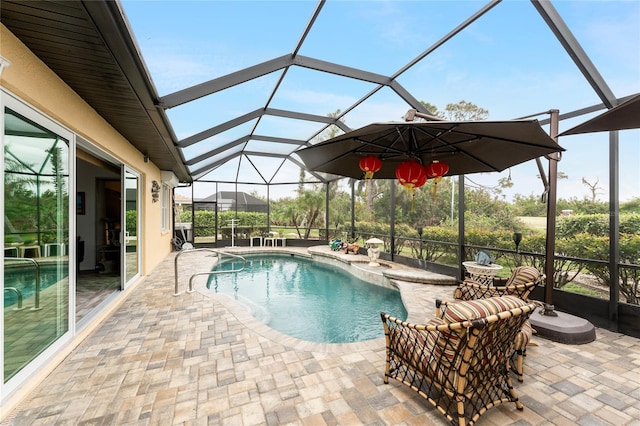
(507, 62)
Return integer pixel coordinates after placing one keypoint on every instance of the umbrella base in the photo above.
(563, 328)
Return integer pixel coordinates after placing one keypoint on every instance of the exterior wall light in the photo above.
(4, 63)
(155, 191)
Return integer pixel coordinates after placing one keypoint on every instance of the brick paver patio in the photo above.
(199, 359)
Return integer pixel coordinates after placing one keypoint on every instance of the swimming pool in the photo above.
(309, 300)
(23, 278)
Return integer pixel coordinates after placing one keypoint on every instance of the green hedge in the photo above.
(205, 222)
(596, 224)
(131, 220)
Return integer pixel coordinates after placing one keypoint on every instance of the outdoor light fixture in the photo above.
(155, 191)
(420, 230)
(3, 64)
(517, 238)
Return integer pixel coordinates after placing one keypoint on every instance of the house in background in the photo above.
(236, 201)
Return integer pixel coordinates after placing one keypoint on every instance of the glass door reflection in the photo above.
(36, 238)
(131, 253)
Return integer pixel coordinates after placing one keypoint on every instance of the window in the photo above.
(165, 201)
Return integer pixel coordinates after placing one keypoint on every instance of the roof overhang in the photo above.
(90, 46)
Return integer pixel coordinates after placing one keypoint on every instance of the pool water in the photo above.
(309, 300)
(23, 278)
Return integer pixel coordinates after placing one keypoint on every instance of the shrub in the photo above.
(205, 222)
(596, 224)
(131, 221)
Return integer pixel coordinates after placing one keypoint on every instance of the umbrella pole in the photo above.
(551, 218)
(353, 207)
(557, 326)
(392, 222)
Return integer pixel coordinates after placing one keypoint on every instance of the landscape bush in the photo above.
(596, 224)
(250, 223)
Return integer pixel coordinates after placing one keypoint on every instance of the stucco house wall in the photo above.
(29, 79)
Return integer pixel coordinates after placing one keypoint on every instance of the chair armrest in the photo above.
(472, 290)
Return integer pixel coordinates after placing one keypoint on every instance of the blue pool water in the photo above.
(309, 300)
(23, 278)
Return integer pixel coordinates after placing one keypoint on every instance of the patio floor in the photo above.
(200, 359)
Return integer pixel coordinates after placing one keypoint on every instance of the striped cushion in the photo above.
(480, 308)
(523, 275)
(435, 322)
(419, 348)
(412, 345)
(442, 345)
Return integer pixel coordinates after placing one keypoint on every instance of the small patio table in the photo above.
(482, 273)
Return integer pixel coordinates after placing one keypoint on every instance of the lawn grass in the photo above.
(577, 288)
(534, 223)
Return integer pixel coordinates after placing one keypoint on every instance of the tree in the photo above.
(369, 189)
(484, 211)
(304, 211)
(331, 131)
(464, 111)
(57, 169)
(339, 206)
(529, 206)
(461, 111)
(433, 110)
(310, 203)
(19, 181)
(593, 188)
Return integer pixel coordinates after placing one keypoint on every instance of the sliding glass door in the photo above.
(37, 249)
(131, 207)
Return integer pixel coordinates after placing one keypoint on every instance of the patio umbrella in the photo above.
(621, 117)
(466, 146)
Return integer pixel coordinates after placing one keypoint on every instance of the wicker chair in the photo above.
(521, 283)
(459, 363)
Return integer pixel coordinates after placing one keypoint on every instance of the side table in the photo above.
(482, 273)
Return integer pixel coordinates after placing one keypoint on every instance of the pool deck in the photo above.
(201, 359)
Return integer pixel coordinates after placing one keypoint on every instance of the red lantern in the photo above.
(436, 170)
(411, 175)
(369, 165)
(421, 182)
